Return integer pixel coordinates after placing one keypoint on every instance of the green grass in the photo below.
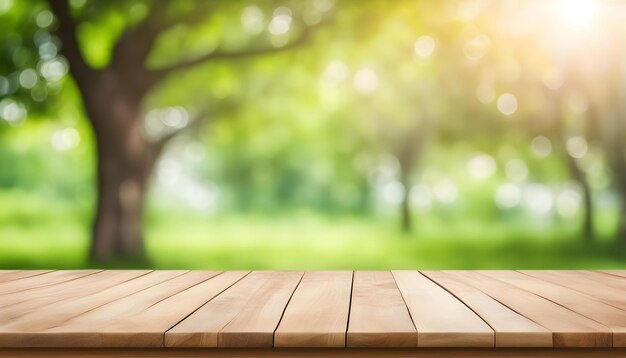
(309, 241)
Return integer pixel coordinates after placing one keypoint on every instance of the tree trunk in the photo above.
(580, 177)
(621, 224)
(409, 152)
(406, 159)
(118, 225)
(405, 213)
(614, 149)
(125, 162)
(588, 213)
(621, 229)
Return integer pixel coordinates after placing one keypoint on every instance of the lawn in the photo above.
(39, 234)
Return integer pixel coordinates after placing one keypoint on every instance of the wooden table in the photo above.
(286, 313)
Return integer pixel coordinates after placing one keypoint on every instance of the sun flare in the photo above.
(577, 13)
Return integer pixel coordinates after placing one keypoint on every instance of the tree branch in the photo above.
(304, 37)
(136, 43)
(70, 48)
(195, 121)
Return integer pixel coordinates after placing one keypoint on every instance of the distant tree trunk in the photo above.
(406, 220)
(612, 126)
(618, 165)
(578, 175)
(621, 229)
(408, 154)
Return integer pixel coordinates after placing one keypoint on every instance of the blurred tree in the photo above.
(113, 95)
(577, 174)
(612, 130)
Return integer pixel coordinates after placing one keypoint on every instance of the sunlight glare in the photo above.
(577, 13)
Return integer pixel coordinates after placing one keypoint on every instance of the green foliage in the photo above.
(323, 128)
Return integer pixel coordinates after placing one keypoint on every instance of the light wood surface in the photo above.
(38, 321)
(441, 319)
(317, 315)
(590, 307)
(511, 328)
(10, 275)
(594, 285)
(569, 329)
(141, 319)
(13, 305)
(246, 315)
(619, 273)
(479, 311)
(378, 315)
(607, 279)
(315, 353)
(47, 279)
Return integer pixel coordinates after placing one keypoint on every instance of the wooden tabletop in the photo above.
(264, 309)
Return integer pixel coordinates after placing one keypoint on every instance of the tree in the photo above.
(112, 98)
(610, 118)
(576, 173)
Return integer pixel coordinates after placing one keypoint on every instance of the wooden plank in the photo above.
(137, 320)
(140, 309)
(582, 282)
(44, 318)
(512, 329)
(441, 319)
(317, 315)
(261, 316)
(141, 320)
(313, 352)
(15, 304)
(607, 279)
(378, 314)
(47, 279)
(569, 329)
(10, 275)
(620, 273)
(610, 316)
(245, 315)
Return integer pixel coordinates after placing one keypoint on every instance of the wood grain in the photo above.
(14, 305)
(138, 320)
(303, 312)
(378, 315)
(569, 329)
(46, 279)
(10, 275)
(619, 273)
(316, 352)
(245, 315)
(607, 279)
(44, 318)
(441, 319)
(610, 316)
(586, 283)
(512, 329)
(143, 318)
(317, 315)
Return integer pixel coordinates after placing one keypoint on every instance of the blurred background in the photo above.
(313, 134)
